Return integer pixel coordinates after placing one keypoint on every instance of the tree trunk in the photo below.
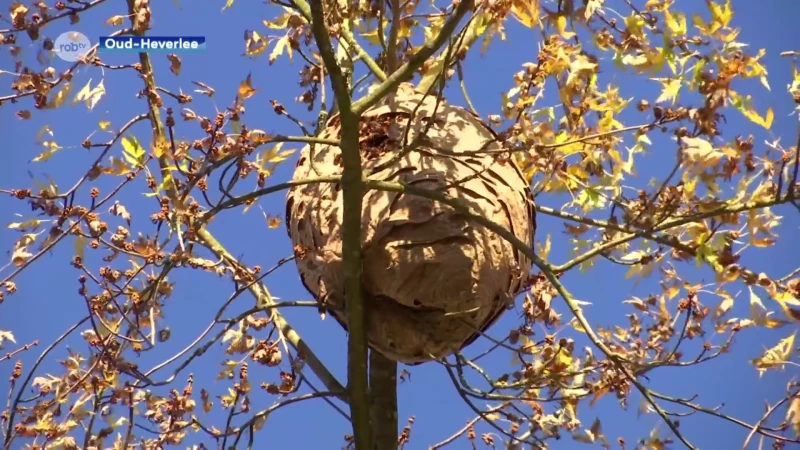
(383, 401)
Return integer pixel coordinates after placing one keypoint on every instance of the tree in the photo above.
(647, 128)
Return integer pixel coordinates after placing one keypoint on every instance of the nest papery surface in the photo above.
(433, 280)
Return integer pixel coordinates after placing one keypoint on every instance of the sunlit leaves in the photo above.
(255, 43)
(272, 221)
(285, 20)
(115, 21)
(670, 91)
(793, 414)
(281, 46)
(721, 13)
(246, 89)
(699, 154)
(28, 225)
(60, 97)
(724, 306)
(228, 368)
(18, 11)
(580, 65)
(777, 356)
(794, 87)
(6, 336)
(743, 105)
(238, 340)
(50, 148)
(132, 151)
(20, 254)
(594, 434)
(526, 12)
(676, 23)
(90, 95)
(274, 155)
(592, 7)
(561, 22)
(759, 315)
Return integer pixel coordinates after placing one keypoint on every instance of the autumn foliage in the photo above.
(578, 135)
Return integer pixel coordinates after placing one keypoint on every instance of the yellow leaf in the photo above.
(280, 23)
(592, 6)
(133, 152)
(246, 89)
(580, 65)
(255, 44)
(705, 28)
(60, 97)
(274, 155)
(50, 149)
(42, 131)
(744, 105)
(671, 89)
(280, 46)
(104, 124)
(272, 221)
(544, 251)
(28, 225)
(700, 153)
(20, 255)
(721, 14)
(793, 414)
(776, 356)
(676, 23)
(372, 36)
(724, 306)
(160, 148)
(90, 95)
(527, 12)
(786, 301)
(115, 21)
(759, 314)
(6, 335)
(561, 26)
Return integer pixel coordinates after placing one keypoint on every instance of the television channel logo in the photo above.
(72, 46)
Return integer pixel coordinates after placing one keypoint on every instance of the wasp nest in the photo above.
(433, 280)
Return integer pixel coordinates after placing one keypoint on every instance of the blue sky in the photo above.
(47, 303)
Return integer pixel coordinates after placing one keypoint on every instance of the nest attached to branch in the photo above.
(433, 279)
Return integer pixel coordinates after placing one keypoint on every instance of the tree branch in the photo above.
(442, 63)
(352, 195)
(305, 9)
(263, 297)
(406, 71)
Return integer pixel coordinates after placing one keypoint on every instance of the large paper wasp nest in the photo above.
(432, 279)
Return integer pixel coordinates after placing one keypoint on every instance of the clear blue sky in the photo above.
(47, 303)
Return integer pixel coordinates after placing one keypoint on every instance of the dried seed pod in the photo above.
(433, 280)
